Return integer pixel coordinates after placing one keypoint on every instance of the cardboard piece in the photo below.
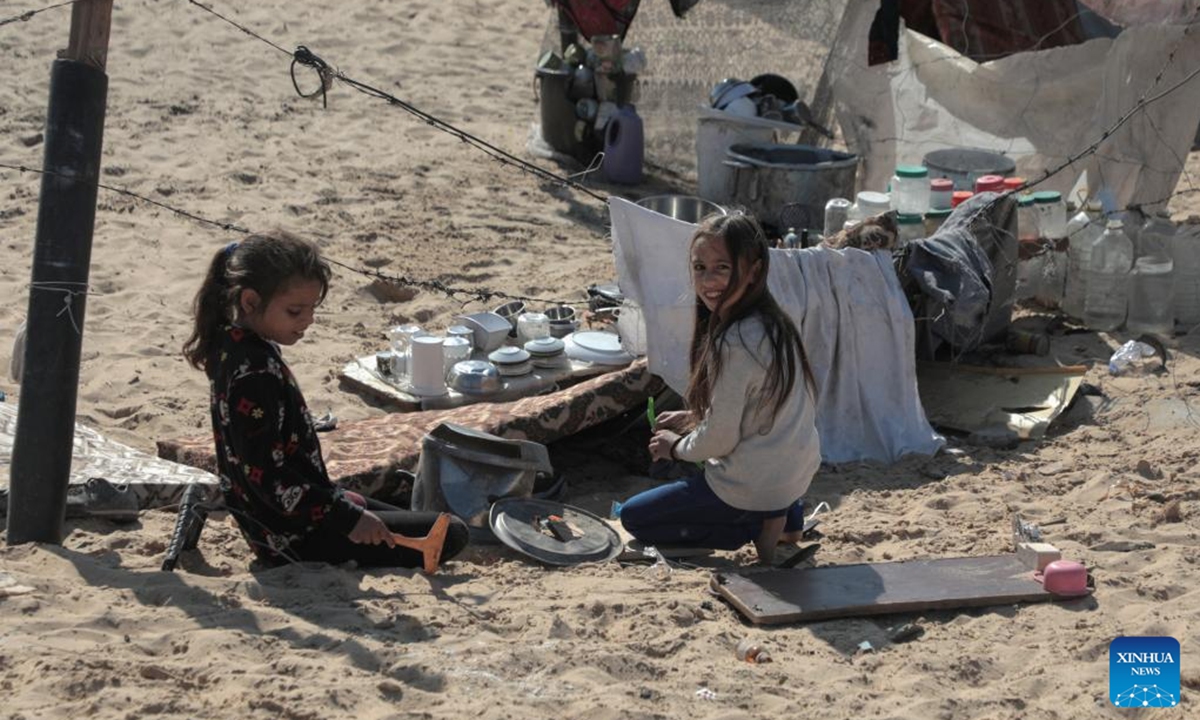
(823, 593)
(988, 400)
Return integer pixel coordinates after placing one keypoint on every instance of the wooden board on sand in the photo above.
(822, 593)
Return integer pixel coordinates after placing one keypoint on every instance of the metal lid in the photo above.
(523, 525)
(1047, 196)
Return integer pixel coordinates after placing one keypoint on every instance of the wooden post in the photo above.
(90, 25)
(41, 459)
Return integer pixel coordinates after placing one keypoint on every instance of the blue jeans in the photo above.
(688, 513)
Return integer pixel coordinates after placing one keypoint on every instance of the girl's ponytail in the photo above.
(211, 309)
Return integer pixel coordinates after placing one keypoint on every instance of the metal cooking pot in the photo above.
(687, 208)
(766, 177)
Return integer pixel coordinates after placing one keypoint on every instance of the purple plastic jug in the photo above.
(624, 147)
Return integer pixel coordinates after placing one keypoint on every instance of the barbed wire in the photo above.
(127, 193)
(327, 73)
(482, 294)
(28, 14)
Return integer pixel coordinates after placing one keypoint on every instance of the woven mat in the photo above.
(155, 482)
(365, 455)
(718, 39)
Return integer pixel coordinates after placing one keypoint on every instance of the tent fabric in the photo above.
(852, 315)
(1041, 108)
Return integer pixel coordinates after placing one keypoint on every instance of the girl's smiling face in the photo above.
(287, 315)
(713, 271)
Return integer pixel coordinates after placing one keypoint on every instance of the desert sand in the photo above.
(205, 118)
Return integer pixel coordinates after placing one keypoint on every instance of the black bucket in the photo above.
(557, 110)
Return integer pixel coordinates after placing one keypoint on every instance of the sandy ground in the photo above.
(203, 117)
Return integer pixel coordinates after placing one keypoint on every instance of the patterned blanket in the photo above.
(376, 455)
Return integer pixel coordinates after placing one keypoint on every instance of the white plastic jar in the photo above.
(910, 190)
(870, 204)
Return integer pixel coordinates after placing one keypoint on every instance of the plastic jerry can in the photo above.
(624, 147)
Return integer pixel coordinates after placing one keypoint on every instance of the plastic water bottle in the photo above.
(1185, 253)
(1083, 230)
(1130, 356)
(1150, 296)
(1156, 236)
(1108, 279)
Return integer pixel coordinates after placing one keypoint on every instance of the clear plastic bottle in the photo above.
(1185, 254)
(837, 212)
(1155, 238)
(1051, 285)
(791, 240)
(1083, 230)
(1150, 296)
(1108, 279)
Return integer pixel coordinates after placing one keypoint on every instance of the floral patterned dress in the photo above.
(268, 455)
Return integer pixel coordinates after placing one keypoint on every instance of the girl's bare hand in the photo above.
(675, 421)
(370, 530)
(661, 444)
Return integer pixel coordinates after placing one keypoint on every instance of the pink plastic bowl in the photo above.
(1066, 578)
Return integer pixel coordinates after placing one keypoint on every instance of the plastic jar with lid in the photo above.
(837, 212)
(910, 227)
(1013, 184)
(989, 183)
(910, 189)
(934, 220)
(941, 192)
(1027, 219)
(959, 197)
(1051, 213)
(871, 203)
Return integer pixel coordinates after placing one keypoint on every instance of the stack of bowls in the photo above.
(511, 361)
(548, 352)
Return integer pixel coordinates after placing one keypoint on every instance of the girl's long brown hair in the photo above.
(746, 244)
(264, 263)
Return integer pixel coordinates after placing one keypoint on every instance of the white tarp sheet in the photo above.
(852, 315)
(1040, 108)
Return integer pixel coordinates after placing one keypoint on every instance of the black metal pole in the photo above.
(41, 461)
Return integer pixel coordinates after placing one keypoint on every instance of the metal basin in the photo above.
(687, 208)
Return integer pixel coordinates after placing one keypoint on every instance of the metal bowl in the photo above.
(510, 311)
(560, 313)
(475, 377)
(687, 208)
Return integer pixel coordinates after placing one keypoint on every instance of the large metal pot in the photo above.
(788, 185)
(687, 208)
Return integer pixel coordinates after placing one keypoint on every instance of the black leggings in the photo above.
(334, 548)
